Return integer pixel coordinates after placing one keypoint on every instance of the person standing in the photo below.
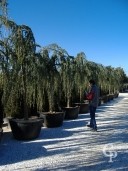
(93, 97)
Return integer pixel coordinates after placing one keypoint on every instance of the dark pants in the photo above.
(92, 116)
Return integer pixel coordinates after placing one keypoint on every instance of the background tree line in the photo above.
(35, 78)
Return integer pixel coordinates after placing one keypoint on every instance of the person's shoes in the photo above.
(90, 126)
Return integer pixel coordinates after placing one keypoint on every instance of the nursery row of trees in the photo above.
(35, 78)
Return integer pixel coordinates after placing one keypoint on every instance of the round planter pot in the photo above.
(84, 107)
(99, 102)
(71, 112)
(25, 129)
(52, 120)
(116, 95)
(104, 99)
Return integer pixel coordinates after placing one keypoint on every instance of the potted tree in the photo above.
(81, 81)
(18, 63)
(3, 12)
(68, 85)
(54, 116)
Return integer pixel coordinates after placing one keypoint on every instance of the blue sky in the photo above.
(99, 28)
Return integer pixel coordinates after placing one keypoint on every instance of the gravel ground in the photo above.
(73, 146)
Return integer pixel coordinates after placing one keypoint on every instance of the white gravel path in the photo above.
(74, 147)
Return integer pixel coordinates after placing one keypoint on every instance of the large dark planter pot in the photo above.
(71, 112)
(52, 120)
(104, 99)
(99, 101)
(116, 95)
(110, 97)
(25, 129)
(83, 107)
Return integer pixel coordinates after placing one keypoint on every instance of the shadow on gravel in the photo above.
(13, 151)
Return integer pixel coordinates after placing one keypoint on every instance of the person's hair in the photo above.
(92, 82)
